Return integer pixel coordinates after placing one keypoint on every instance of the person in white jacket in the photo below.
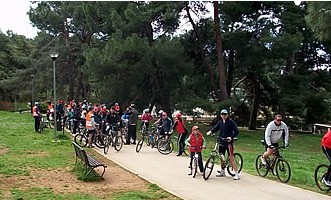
(275, 131)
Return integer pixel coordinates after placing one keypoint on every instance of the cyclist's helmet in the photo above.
(48, 101)
(36, 103)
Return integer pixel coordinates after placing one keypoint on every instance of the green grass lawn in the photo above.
(22, 149)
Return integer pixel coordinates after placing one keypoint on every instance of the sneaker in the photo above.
(327, 183)
(236, 177)
(221, 173)
(263, 161)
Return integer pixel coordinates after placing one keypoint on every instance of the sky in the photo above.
(13, 17)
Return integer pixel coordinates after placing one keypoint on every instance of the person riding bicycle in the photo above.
(182, 133)
(164, 125)
(36, 116)
(228, 130)
(326, 148)
(275, 131)
(113, 119)
(146, 118)
(196, 142)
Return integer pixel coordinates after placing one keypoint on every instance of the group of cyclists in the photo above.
(98, 115)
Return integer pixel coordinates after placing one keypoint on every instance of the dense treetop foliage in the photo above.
(255, 58)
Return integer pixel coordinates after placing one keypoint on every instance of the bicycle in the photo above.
(319, 175)
(115, 136)
(277, 165)
(150, 137)
(165, 144)
(100, 139)
(195, 160)
(41, 124)
(209, 166)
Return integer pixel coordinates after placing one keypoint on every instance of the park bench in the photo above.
(89, 162)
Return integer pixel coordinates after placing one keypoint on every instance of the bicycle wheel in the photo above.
(209, 166)
(195, 166)
(165, 146)
(51, 124)
(319, 174)
(186, 151)
(239, 161)
(118, 143)
(283, 170)
(107, 144)
(81, 140)
(100, 140)
(139, 144)
(261, 169)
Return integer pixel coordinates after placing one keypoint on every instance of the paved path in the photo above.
(170, 173)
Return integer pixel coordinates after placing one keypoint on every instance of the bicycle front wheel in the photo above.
(283, 170)
(319, 174)
(261, 169)
(107, 144)
(81, 140)
(239, 161)
(209, 166)
(118, 143)
(165, 147)
(194, 167)
(139, 144)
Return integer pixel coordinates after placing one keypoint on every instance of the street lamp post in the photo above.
(54, 55)
(32, 91)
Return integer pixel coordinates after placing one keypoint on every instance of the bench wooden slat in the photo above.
(87, 160)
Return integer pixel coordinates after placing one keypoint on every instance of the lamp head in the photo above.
(53, 55)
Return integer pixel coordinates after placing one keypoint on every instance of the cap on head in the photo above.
(178, 115)
(160, 112)
(224, 111)
(195, 128)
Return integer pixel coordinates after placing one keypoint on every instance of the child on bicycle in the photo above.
(326, 148)
(196, 142)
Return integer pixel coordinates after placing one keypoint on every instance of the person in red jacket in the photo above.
(326, 148)
(196, 142)
(182, 133)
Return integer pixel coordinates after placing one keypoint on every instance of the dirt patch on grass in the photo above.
(3, 150)
(63, 181)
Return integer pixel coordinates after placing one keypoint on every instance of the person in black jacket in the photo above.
(228, 130)
(132, 124)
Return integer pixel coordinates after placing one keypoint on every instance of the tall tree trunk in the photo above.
(230, 72)
(255, 104)
(220, 64)
(205, 63)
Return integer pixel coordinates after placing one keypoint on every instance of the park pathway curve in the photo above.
(170, 173)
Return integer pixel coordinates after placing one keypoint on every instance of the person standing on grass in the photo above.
(326, 148)
(228, 130)
(182, 133)
(36, 116)
(196, 142)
